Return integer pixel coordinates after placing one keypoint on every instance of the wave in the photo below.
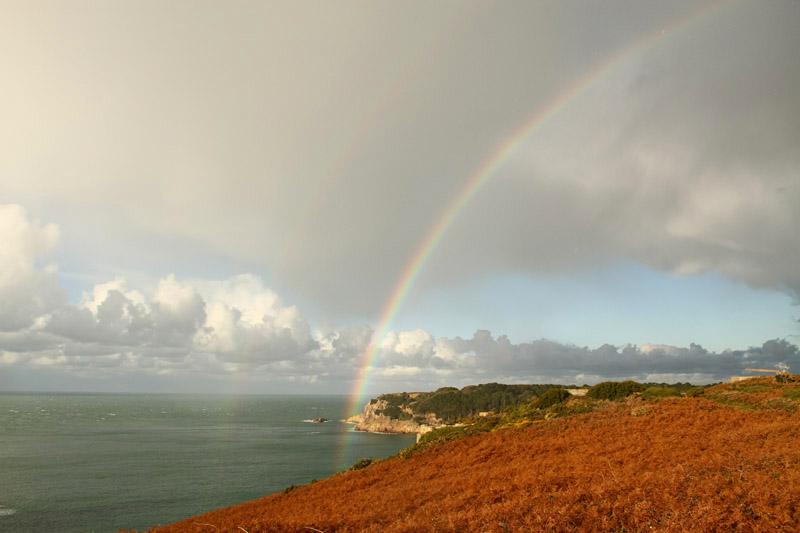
(6, 511)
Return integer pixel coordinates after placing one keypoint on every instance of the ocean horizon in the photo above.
(101, 462)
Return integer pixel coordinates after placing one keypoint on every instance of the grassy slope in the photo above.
(727, 461)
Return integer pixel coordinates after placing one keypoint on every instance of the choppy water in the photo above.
(82, 462)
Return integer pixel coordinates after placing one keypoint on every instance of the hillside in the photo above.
(419, 412)
(726, 459)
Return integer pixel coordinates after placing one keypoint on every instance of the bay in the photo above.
(103, 462)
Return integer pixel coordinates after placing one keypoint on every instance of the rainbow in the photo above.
(484, 173)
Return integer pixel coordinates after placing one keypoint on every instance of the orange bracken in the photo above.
(685, 464)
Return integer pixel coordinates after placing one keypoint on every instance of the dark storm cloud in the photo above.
(331, 174)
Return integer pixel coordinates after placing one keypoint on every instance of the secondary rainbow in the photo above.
(479, 179)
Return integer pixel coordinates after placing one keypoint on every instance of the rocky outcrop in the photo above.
(417, 412)
(373, 419)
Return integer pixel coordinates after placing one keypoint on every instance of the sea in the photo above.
(111, 462)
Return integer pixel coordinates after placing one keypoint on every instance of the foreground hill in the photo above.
(728, 460)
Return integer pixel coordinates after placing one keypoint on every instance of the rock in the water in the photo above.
(320, 420)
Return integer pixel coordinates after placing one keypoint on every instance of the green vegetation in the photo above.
(450, 433)
(614, 390)
(450, 404)
(558, 403)
(396, 413)
(551, 397)
(361, 463)
(695, 392)
(652, 393)
(792, 394)
(555, 402)
(515, 417)
(290, 488)
(758, 393)
(744, 386)
(680, 387)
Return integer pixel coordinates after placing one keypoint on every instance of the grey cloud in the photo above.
(625, 170)
(486, 358)
(128, 325)
(21, 304)
(27, 340)
(122, 323)
(26, 292)
(683, 159)
(347, 347)
(544, 358)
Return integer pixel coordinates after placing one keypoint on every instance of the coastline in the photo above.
(368, 421)
(630, 461)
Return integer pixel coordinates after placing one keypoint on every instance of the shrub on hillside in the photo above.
(290, 488)
(361, 463)
(695, 392)
(551, 397)
(792, 394)
(450, 404)
(391, 411)
(659, 392)
(680, 387)
(613, 390)
(447, 434)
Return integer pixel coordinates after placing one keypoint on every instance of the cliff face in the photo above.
(418, 412)
(373, 419)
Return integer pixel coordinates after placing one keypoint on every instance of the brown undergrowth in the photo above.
(678, 464)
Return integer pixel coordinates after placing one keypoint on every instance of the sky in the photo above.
(365, 197)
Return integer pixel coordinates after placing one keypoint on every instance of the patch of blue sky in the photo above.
(619, 304)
